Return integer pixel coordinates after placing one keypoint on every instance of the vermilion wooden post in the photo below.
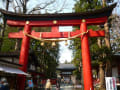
(24, 56)
(87, 71)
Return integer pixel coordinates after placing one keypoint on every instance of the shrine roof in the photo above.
(66, 67)
(59, 16)
(9, 54)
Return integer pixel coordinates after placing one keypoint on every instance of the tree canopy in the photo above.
(98, 54)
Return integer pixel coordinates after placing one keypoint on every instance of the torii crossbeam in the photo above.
(54, 20)
(56, 34)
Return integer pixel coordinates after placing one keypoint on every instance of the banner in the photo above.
(110, 83)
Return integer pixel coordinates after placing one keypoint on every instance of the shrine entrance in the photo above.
(97, 17)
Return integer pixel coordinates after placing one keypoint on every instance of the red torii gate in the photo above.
(54, 20)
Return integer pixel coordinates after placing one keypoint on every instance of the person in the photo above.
(48, 85)
(58, 85)
(4, 84)
(63, 80)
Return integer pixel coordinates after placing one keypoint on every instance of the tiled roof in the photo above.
(9, 54)
(59, 16)
(117, 53)
(66, 66)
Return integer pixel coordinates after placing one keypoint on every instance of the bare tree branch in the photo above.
(17, 2)
(21, 1)
(54, 9)
(39, 6)
(16, 6)
(63, 6)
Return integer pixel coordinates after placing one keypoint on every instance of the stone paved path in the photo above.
(66, 87)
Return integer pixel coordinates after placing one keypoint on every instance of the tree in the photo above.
(82, 6)
(8, 44)
(101, 56)
(48, 6)
(3, 25)
(115, 32)
(47, 56)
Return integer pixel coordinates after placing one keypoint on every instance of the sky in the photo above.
(65, 52)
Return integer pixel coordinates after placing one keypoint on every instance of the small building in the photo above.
(116, 66)
(66, 72)
(9, 68)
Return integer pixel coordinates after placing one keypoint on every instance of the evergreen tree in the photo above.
(82, 6)
(98, 54)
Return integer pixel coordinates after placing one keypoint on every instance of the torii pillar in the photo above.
(86, 62)
(23, 60)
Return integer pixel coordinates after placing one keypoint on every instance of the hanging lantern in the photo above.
(66, 43)
(42, 44)
(53, 44)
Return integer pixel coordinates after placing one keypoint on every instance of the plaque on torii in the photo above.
(84, 19)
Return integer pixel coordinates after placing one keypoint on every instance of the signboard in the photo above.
(111, 83)
(30, 83)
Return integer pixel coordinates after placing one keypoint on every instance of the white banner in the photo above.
(110, 83)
